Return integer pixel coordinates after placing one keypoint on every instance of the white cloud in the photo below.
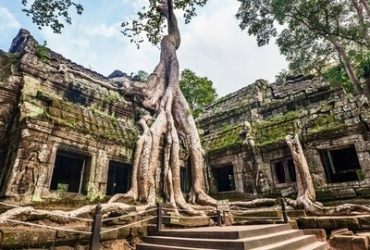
(212, 44)
(7, 20)
(102, 30)
(215, 47)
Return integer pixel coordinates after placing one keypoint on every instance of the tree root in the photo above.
(63, 217)
(262, 202)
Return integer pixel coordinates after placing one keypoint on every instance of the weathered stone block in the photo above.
(363, 221)
(342, 242)
(267, 213)
(296, 213)
(350, 222)
(55, 112)
(114, 234)
(187, 221)
(326, 222)
(360, 242)
(344, 193)
(341, 231)
(322, 195)
(66, 237)
(16, 238)
(307, 222)
(363, 192)
(30, 85)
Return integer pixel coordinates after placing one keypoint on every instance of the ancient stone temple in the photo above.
(244, 135)
(61, 129)
(67, 129)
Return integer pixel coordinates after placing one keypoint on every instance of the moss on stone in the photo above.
(326, 131)
(31, 110)
(93, 195)
(229, 137)
(275, 129)
(280, 118)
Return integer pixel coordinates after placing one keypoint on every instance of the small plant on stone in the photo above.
(42, 52)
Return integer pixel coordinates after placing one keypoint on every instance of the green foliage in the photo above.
(42, 52)
(48, 13)
(150, 26)
(312, 35)
(198, 91)
(133, 135)
(110, 98)
(363, 65)
(337, 77)
(225, 126)
(141, 76)
(360, 175)
(280, 77)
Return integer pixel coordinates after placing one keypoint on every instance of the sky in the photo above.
(212, 45)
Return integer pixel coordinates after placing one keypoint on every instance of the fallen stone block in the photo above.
(344, 242)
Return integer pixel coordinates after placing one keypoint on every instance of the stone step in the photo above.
(146, 246)
(235, 232)
(244, 243)
(318, 245)
(256, 237)
(294, 243)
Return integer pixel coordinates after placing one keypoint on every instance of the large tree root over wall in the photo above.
(159, 145)
(306, 196)
(172, 123)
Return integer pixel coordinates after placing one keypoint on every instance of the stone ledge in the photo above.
(335, 222)
(343, 242)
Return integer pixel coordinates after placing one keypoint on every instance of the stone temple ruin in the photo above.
(62, 131)
(244, 136)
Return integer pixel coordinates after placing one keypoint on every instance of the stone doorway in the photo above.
(225, 178)
(283, 172)
(119, 178)
(69, 173)
(341, 165)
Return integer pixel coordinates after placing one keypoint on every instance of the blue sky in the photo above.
(212, 44)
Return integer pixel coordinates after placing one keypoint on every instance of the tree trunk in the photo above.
(359, 7)
(172, 120)
(306, 196)
(348, 67)
(366, 6)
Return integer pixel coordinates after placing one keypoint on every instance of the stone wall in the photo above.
(246, 129)
(52, 105)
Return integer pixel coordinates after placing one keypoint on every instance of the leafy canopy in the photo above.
(47, 13)
(148, 24)
(304, 29)
(313, 35)
(198, 91)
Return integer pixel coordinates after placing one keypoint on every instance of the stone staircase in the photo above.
(257, 237)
